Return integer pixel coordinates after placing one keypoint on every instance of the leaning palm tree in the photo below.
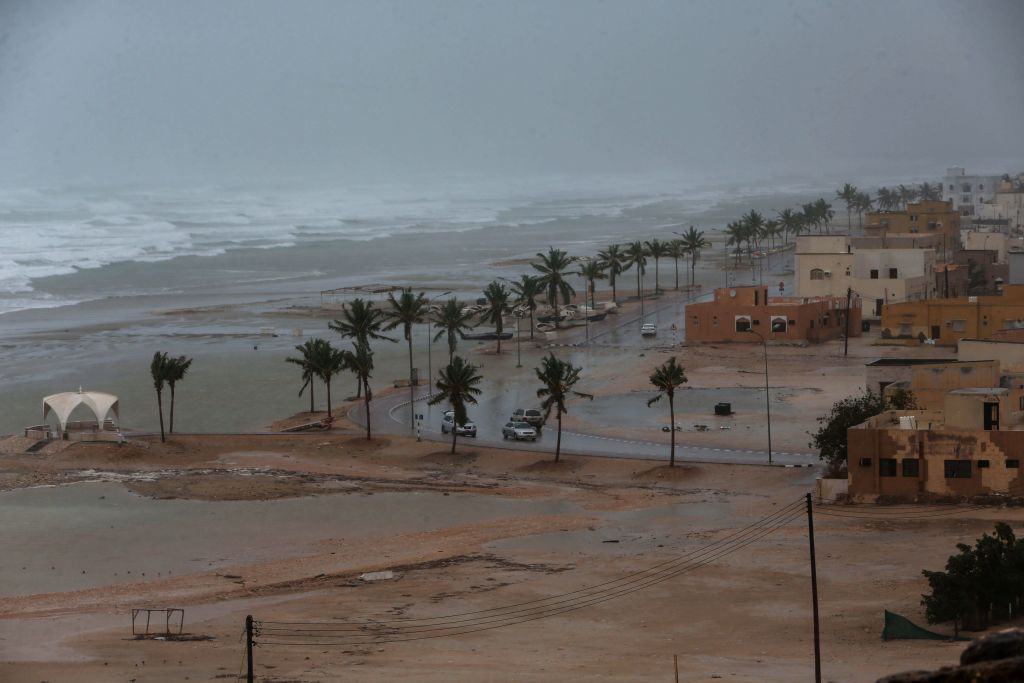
(862, 203)
(848, 194)
(735, 233)
(788, 220)
(927, 192)
(693, 242)
(158, 370)
(906, 195)
(176, 369)
(497, 296)
(824, 212)
(408, 309)
(667, 378)
(360, 363)
(558, 378)
(754, 223)
(636, 257)
(676, 251)
(591, 270)
(657, 250)
(452, 320)
(887, 199)
(613, 261)
(362, 322)
(553, 268)
(526, 291)
(327, 363)
(306, 361)
(457, 384)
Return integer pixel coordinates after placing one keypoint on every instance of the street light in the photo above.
(767, 400)
(518, 313)
(430, 340)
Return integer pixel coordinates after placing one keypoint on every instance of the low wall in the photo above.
(831, 490)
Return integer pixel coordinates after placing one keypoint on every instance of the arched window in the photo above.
(742, 323)
(817, 274)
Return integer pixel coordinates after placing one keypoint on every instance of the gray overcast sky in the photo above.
(181, 91)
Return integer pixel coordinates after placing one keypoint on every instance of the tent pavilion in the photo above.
(64, 404)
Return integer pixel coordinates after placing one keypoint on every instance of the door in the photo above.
(936, 331)
(991, 418)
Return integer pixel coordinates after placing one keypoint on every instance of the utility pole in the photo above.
(248, 649)
(846, 337)
(814, 592)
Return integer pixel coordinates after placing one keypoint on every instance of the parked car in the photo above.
(531, 416)
(518, 430)
(448, 422)
(648, 329)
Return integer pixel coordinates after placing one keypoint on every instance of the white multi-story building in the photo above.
(968, 191)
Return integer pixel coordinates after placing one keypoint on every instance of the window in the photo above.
(981, 188)
(958, 325)
(911, 467)
(932, 225)
(874, 273)
(950, 188)
(982, 464)
(906, 329)
(865, 462)
(913, 218)
(887, 467)
(695, 322)
(817, 274)
(893, 273)
(958, 469)
(878, 306)
(757, 322)
(1013, 464)
(742, 323)
(779, 325)
(965, 187)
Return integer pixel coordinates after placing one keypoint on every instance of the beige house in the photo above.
(1010, 354)
(986, 240)
(1004, 206)
(826, 265)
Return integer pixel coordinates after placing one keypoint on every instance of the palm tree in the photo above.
(407, 310)
(848, 194)
(526, 292)
(736, 233)
(613, 261)
(636, 257)
(558, 378)
(553, 268)
(328, 362)
(306, 361)
(452, 320)
(693, 241)
(176, 369)
(887, 199)
(497, 296)
(790, 222)
(862, 203)
(457, 384)
(360, 362)
(158, 370)
(929, 192)
(656, 249)
(824, 212)
(676, 251)
(361, 321)
(591, 270)
(810, 216)
(754, 222)
(906, 195)
(667, 378)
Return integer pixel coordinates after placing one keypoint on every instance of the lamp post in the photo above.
(519, 337)
(430, 340)
(767, 400)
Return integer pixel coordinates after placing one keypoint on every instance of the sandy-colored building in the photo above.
(1005, 347)
(735, 310)
(925, 217)
(826, 265)
(947, 321)
(989, 240)
(1006, 208)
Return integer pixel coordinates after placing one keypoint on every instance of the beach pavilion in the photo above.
(102, 406)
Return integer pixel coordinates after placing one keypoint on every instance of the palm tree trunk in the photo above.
(614, 293)
(693, 269)
(327, 381)
(171, 429)
(500, 328)
(677, 274)
(366, 402)
(558, 441)
(312, 405)
(672, 429)
(454, 434)
(359, 392)
(412, 388)
(531, 324)
(160, 409)
(593, 304)
(657, 285)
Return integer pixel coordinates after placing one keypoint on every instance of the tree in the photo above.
(360, 362)
(497, 296)
(753, 223)
(636, 257)
(929, 192)
(736, 233)
(614, 262)
(888, 200)
(657, 250)
(553, 268)
(176, 369)
(158, 370)
(362, 322)
(327, 363)
(591, 270)
(848, 193)
(862, 203)
(824, 212)
(452, 320)
(906, 195)
(408, 309)
(307, 361)
(976, 281)
(457, 384)
(558, 378)
(526, 291)
(693, 242)
(830, 439)
(790, 222)
(676, 251)
(666, 378)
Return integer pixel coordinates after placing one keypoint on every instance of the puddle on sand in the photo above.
(96, 533)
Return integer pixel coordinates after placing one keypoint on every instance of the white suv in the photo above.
(518, 430)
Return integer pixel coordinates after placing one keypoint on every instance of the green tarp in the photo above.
(901, 628)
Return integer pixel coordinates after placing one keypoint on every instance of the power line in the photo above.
(334, 633)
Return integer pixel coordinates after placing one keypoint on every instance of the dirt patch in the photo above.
(687, 473)
(563, 466)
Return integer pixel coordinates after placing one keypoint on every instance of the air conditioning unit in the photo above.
(828, 273)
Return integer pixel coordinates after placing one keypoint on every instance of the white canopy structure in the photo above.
(62, 405)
